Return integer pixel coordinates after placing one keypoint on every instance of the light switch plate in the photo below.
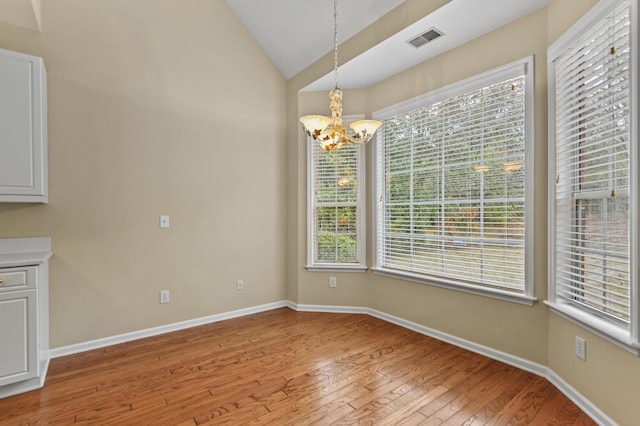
(164, 221)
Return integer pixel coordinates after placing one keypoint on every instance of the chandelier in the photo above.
(329, 131)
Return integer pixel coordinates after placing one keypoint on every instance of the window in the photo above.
(592, 198)
(335, 219)
(454, 170)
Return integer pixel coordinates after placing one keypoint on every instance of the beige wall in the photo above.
(313, 288)
(155, 107)
(152, 112)
(475, 318)
(610, 378)
(302, 286)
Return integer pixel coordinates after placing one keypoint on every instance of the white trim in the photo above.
(634, 159)
(336, 267)
(332, 309)
(155, 331)
(588, 20)
(458, 286)
(310, 222)
(512, 360)
(529, 179)
(580, 400)
(596, 414)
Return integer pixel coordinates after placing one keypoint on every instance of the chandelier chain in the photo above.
(335, 41)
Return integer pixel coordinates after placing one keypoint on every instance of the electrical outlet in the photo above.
(240, 285)
(581, 348)
(333, 282)
(164, 296)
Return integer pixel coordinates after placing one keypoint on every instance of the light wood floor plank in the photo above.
(289, 368)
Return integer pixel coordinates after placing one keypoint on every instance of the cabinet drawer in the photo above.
(18, 278)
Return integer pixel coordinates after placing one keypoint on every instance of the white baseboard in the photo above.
(515, 361)
(155, 331)
(329, 309)
(26, 385)
(587, 406)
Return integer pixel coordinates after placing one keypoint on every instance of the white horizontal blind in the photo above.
(336, 205)
(453, 204)
(592, 214)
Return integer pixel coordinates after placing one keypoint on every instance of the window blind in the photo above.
(336, 205)
(592, 215)
(452, 206)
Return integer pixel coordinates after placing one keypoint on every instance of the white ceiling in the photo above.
(296, 33)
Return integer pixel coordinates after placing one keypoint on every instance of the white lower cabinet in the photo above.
(19, 351)
(24, 314)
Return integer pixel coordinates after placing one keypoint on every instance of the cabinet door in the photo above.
(23, 128)
(18, 339)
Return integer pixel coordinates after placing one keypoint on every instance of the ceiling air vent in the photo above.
(425, 38)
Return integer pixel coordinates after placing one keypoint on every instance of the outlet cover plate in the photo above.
(164, 222)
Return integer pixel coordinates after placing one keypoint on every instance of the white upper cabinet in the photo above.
(23, 128)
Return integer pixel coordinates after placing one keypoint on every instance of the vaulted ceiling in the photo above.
(296, 33)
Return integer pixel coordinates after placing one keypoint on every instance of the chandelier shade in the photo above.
(330, 131)
(365, 128)
(315, 124)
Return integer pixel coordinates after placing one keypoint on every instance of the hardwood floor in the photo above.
(283, 368)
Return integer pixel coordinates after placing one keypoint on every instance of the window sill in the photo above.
(336, 268)
(597, 326)
(465, 288)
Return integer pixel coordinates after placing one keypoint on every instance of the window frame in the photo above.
(361, 265)
(627, 338)
(522, 66)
